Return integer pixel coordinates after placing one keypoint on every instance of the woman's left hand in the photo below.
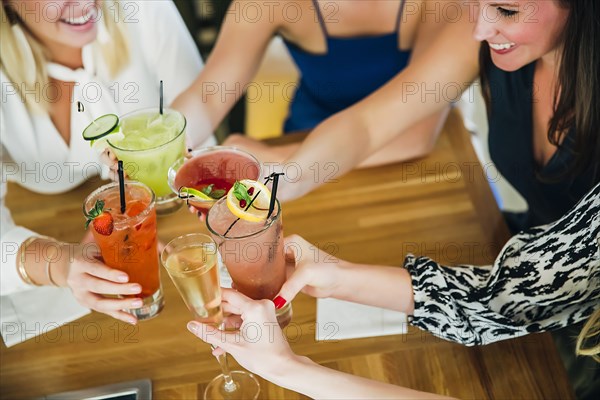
(260, 345)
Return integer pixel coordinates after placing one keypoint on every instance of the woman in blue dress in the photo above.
(345, 51)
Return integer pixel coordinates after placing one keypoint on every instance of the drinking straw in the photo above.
(161, 98)
(121, 186)
(275, 177)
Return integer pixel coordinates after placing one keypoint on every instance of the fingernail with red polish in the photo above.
(279, 302)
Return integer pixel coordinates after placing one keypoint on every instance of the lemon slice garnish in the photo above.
(257, 212)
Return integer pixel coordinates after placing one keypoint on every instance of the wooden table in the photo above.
(440, 206)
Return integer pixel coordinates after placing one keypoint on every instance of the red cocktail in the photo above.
(212, 171)
(252, 245)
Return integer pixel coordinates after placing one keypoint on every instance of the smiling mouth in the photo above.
(82, 20)
(502, 46)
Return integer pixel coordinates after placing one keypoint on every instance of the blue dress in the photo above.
(350, 70)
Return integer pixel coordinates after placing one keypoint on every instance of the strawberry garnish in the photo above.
(101, 220)
(103, 224)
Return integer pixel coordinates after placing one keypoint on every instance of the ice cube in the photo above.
(155, 120)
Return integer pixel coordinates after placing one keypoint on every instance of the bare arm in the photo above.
(231, 66)
(466, 303)
(318, 274)
(270, 356)
(378, 286)
(426, 86)
(419, 138)
(302, 375)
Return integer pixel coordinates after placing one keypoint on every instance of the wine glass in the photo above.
(191, 261)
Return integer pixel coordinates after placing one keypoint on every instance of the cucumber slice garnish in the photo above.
(101, 127)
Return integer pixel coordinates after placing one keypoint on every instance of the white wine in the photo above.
(192, 263)
(194, 272)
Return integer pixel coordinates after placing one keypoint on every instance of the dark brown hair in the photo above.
(577, 97)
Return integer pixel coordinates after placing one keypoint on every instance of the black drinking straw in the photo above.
(275, 177)
(121, 186)
(161, 98)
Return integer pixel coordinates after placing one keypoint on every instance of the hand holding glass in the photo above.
(191, 261)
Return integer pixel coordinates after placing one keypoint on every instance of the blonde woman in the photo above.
(543, 279)
(110, 56)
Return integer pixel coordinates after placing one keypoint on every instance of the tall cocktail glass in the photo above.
(253, 253)
(219, 166)
(191, 261)
(151, 143)
(132, 245)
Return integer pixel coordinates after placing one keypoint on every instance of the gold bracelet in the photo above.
(48, 262)
(49, 275)
(21, 262)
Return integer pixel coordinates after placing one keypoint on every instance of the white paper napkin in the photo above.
(36, 312)
(337, 319)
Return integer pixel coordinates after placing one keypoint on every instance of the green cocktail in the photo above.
(150, 143)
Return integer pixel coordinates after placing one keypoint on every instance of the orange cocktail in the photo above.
(128, 240)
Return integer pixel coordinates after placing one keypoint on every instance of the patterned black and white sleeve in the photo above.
(545, 278)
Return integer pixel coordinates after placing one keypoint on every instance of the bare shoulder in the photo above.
(296, 20)
(455, 19)
(251, 17)
(439, 13)
(280, 13)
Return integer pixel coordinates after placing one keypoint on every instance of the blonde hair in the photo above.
(14, 58)
(590, 332)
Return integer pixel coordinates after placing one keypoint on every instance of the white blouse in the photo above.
(34, 153)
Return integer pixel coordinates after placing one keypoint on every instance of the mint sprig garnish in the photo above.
(212, 193)
(217, 194)
(240, 191)
(207, 189)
